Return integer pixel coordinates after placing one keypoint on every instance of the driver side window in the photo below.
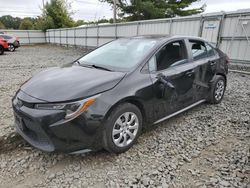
(170, 55)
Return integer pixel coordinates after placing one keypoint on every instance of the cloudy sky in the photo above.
(94, 10)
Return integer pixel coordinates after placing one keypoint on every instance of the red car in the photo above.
(13, 42)
(3, 45)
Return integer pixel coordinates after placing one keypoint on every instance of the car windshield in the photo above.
(119, 55)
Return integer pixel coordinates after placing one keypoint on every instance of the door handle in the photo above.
(190, 72)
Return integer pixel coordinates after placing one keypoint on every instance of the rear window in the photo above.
(211, 50)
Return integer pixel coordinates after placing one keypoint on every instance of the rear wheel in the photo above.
(1, 50)
(122, 128)
(217, 91)
(11, 48)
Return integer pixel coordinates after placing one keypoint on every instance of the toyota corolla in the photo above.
(105, 98)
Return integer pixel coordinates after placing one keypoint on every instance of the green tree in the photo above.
(56, 15)
(1, 25)
(153, 9)
(44, 23)
(26, 24)
(79, 23)
(10, 22)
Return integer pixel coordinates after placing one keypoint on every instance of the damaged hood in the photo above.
(70, 83)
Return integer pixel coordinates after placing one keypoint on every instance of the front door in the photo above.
(173, 77)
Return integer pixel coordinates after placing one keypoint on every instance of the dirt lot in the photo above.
(207, 146)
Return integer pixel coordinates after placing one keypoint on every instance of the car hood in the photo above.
(70, 83)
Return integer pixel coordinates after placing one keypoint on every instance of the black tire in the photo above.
(214, 98)
(11, 48)
(1, 50)
(110, 124)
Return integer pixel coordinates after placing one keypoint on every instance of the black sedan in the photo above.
(105, 98)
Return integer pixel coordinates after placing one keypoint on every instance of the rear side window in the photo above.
(210, 50)
(172, 54)
(198, 49)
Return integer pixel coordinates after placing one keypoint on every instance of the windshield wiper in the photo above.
(92, 66)
(78, 62)
(100, 67)
(83, 64)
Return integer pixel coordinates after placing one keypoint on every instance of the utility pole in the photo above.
(114, 19)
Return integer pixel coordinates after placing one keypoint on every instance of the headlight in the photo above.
(72, 109)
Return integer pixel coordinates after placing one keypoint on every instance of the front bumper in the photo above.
(48, 131)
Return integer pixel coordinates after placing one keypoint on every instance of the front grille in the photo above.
(35, 135)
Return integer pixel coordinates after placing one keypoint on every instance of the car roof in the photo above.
(4, 34)
(166, 37)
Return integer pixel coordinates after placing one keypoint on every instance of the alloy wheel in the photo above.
(219, 90)
(11, 48)
(125, 129)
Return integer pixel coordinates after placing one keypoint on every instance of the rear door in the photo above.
(205, 60)
(213, 61)
(172, 73)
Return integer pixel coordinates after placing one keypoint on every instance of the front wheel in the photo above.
(122, 128)
(11, 48)
(217, 91)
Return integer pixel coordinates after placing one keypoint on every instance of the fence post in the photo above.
(137, 28)
(97, 35)
(54, 36)
(75, 37)
(48, 34)
(28, 32)
(60, 37)
(201, 26)
(221, 26)
(116, 31)
(86, 37)
(170, 27)
(67, 41)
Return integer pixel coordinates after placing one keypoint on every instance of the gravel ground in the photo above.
(208, 146)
